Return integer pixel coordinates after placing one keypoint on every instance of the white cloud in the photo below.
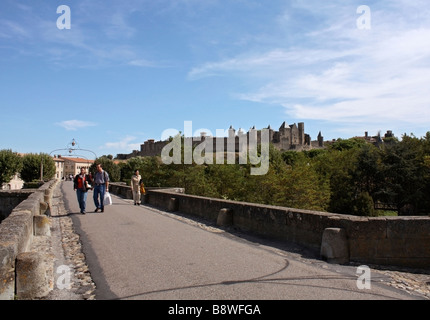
(73, 125)
(123, 145)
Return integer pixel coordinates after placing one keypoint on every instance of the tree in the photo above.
(347, 144)
(363, 205)
(337, 166)
(404, 171)
(367, 173)
(303, 188)
(10, 164)
(128, 168)
(32, 165)
(155, 173)
(109, 166)
(226, 180)
(291, 157)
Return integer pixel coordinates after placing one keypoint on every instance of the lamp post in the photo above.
(70, 148)
(41, 167)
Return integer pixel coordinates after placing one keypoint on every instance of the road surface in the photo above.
(139, 252)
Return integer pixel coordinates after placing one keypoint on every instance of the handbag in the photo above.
(142, 189)
(88, 186)
(107, 199)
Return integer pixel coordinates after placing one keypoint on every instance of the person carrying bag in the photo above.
(81, 184)
(101, 188)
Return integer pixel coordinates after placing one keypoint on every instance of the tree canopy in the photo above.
(10, 164)
(32, 165)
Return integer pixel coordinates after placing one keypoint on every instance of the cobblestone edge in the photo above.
(63, 249)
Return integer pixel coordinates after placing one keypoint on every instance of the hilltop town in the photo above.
(288, 137)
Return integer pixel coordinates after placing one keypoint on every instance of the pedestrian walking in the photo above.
(135, 187)
(81, 184)
(101, 186)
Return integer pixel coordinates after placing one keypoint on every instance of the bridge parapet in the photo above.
(16, 235)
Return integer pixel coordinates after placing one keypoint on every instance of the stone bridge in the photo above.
(391, 241)
(397, 241)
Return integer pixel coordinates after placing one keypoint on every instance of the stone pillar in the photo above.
(7, 284)
(31, 279)
(334, 246)
(48, 196)
(41, 226)
(173, 205)
(44, 208)
(225, 217)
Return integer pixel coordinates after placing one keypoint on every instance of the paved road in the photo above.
(138, 252)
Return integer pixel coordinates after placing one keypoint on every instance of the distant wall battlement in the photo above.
(288, 137)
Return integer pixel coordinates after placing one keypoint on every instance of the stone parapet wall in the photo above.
(398, 241)
(17, 232)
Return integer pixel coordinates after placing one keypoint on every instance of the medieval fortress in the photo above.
(288, 137)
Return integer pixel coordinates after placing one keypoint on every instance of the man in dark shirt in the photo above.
(81, 184)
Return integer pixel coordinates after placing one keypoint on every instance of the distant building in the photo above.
(15, 183)
(293, 137)
(59, 167)
(71, 166)
(376, 140)
(288, 137)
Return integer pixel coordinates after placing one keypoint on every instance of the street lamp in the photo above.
(71, 148)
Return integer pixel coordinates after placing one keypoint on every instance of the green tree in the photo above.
(367, 173)
(128, 168)
(291, 157)
(363, 205)
(347, 144)
(10, 164)
(265, 189)
(227, 181)
(337, 167)
(109, 166)
(404, 171)
(193, 178)
(32, 165)
(302, 187)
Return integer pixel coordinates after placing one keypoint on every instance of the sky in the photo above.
(112, 74)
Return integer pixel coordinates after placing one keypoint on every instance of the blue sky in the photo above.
(128, 70)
